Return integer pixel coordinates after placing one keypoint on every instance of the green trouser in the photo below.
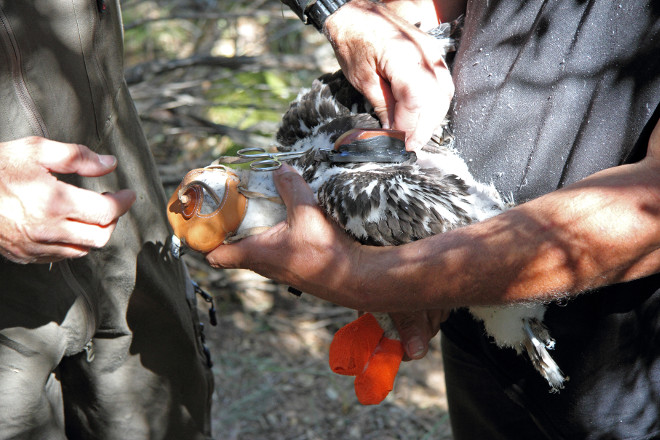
(106, 346)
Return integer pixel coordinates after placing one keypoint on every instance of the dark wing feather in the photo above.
(392, 206)
(331, 105)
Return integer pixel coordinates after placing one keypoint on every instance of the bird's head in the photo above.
(206, 208)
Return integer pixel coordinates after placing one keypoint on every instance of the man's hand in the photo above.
(397, 67)
(417, 329)
(307, 251)
(43, 219)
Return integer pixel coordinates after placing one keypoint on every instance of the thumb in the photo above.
(73, 158)
(414, 336)
(295, 192)
(296, 195)
(379, 94)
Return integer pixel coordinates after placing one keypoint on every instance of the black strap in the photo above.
(314, 12)
(381, 149)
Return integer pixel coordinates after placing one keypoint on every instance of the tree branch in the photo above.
(142, 71)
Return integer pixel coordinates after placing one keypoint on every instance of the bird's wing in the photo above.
(396, 204)
(331, 105)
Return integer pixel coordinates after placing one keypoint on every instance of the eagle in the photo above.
(380, 194)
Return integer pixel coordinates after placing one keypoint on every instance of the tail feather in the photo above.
(537, 344)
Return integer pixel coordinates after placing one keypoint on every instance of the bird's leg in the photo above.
(370, 349)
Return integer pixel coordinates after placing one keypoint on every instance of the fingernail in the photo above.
(107, 160)
(413, 145)
(415, 348)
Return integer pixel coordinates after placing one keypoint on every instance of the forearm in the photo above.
(602, 230)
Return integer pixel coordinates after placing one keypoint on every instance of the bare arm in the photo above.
(601, 230)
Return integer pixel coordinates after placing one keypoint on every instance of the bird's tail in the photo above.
(537, 343)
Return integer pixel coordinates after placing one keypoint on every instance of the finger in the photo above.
(422, 98)
(414, 333)
(295, 193)
(65, 158)
(61, 252)
(248, 252)
(293, 189)
(379, 94)
(407, 110)
(433, 111)
(413, 116)
(71, 234)
(44, 254)
(96, 209)
(423, 130)
(654, 142)
(29, 251)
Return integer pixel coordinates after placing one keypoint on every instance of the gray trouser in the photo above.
(107, 346)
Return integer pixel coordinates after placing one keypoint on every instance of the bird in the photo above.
(383, 202)
(389, 204)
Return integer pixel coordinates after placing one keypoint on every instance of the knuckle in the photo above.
(104, 212)
(104, 218)
(72, 154)
(34, 142)
(66, 156)
(406, 321)
(56, 206)
(216, 261)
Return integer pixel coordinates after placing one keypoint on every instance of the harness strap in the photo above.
(257, 195)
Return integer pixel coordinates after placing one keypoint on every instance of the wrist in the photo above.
(353, 18)
(319, 11)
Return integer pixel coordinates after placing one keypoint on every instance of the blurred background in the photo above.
(209, 77)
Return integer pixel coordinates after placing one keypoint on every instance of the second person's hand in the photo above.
(43, 219)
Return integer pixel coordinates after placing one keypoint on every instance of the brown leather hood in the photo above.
(205, 232)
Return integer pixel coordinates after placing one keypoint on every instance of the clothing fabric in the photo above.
(547, 93)
(107, 346)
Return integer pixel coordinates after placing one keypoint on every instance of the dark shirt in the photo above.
(547, 93)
